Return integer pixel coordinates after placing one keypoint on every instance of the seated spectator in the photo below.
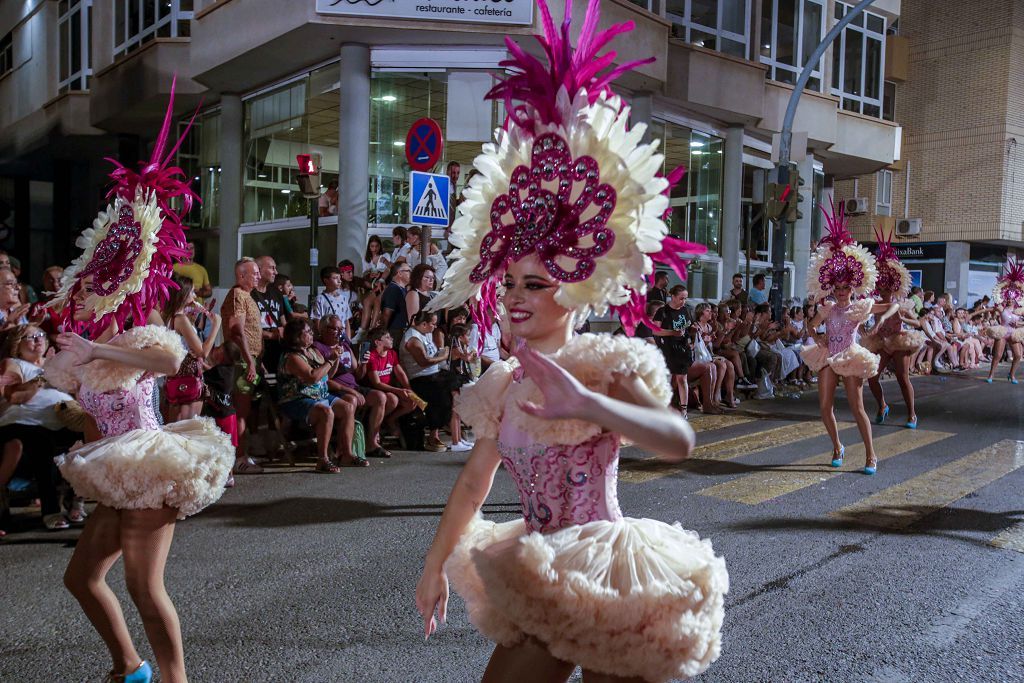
(31, 432)
(422, 361)
(375, 261)
(421, 289)
(758, 293)
(383, 373)
(343, 384)
(723, 375)
(12, 311)
(303, 396)
(399, 237)
(184, 389)
(460, 373)
(51, 282)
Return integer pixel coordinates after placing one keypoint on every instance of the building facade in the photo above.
(346, 80)
(955, 199)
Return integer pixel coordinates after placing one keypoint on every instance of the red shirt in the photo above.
(384, 365)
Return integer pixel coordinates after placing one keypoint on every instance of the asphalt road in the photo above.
(915, 574)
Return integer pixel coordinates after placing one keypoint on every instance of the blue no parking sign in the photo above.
(428, 198)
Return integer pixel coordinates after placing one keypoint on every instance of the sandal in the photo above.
(56, 522)
(77, 513)
(379, 452)
(354, 462)
(326, 467)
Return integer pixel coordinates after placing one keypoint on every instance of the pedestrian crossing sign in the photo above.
(429, 198)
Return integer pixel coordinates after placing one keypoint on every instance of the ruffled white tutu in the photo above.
(1017, 335)
(183, 465)
(634, 597)
(905, 341)
(872, 342)
(855, 361)
(997, 332)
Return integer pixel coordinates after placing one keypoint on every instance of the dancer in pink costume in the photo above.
(893, 340)
(566, 216)
(1009, 297)
(144, 476)
(839, 270)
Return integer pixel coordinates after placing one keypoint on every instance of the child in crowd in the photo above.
(384, 373)
(335, 299)
(460, 373)
(293, 308)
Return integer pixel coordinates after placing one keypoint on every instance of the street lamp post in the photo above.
(784, 174)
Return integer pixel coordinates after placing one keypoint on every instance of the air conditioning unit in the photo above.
(906, 227)
(856, 206)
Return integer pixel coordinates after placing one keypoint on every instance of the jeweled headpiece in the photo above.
(893, 276)
(839, 261)
(1009, 289)
(129, 251)
(566, 179)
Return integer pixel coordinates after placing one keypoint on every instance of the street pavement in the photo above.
(915, 574)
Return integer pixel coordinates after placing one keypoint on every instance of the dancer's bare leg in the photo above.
(95, 553)
(997, 355)
(146, 537)
(826, 398)
(9, 460)
(875, 384)
(902, 361)
(1015, 350)
(855, 397)
(527, 661)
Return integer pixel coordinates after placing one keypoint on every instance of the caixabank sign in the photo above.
(509, 12)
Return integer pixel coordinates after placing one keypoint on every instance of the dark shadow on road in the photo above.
(299, 511)
(714, 468)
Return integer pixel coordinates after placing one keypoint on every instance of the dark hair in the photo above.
(416, 279)
(176, 300)
(762, 308)
(380, 245)
(456, 312)
(928, 294)
(698, 311)
(658, 274)
(452, 163)
(345, 263)
(678, 288)
(423, 316)
(281, 279)
(376, 334)
(736, 275)
(793, 310)
(328, 271)
(400, 231)
(458, 331)
(653, 306)
(415, 230)
(759, 278)
(292, 337)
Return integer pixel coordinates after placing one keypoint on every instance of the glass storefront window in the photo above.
(199, 158)
(290, 249)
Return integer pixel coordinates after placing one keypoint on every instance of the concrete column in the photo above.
(958, 266)
(353, 152)
(732, 205)
(232, 131)
(802, 230)
(642, 105)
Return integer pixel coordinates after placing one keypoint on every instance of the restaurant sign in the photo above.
(511, 12)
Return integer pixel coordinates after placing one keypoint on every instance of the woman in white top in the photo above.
(375, 261)
(422, 361)
(30, 417)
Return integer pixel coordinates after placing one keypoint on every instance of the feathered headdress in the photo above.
(1009, 289)
(566, 179)
(839, 261)
(893, 276)
(129, 251)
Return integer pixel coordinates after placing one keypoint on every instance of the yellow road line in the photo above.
(1011, 539)
(707, 423)
(901, 505)
(762, 486)
(637, 472)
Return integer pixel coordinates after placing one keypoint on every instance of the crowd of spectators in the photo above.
(367, 367)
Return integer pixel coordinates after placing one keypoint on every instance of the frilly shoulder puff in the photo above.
(860, 310)
(594, 359)
(104, 375)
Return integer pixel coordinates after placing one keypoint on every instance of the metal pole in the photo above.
(779, 236)
(314, 254)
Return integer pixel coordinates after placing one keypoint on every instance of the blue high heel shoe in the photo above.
(880, 418)
(988, 381)
(838, 462)
(144, 674)
(871, 469)
(1011, 379)
(912, 424)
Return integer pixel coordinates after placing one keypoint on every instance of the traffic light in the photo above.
(309, 175)
(793, 213)
(776, 203)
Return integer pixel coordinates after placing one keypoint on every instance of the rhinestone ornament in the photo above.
(841, 269)
(531, 218)
(114, 258)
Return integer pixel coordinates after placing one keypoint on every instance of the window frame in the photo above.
(883, 193)
(7, 53)
(75, 80)
(772, 61)
(862, 101)
(688, 25)
(135, 38)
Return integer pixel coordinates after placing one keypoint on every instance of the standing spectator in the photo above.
(415, 236)
(334, 300)
(12, 310)
(375, 261)
(184, 389)
(195, 272)
(292, 307)
(759, 294)
(675, 318)
(243, 330)
(420, 290)
(737, 293)
(659, 292)
(399, 237)
(51, 282)
(273, 312)
(327, 204)
(394, 316)
(918, 299)
(27, 292)
(422, 361)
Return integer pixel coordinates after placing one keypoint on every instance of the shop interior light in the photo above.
(696, 152)
(286, 191)
(399, 143)
(696, 143)
(386, 98)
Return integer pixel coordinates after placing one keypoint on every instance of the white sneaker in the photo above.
(460, 447)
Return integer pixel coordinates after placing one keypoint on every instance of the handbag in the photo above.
(753, 348)
(700, 351)
(184, 389)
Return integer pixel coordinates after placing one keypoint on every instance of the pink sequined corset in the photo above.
(892, 325)
(117, 412)
(1009, 318)
(841, 331)
(561, 486)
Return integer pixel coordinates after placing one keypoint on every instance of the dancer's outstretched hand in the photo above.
(564, 397)
(80, 348)
(431, 595)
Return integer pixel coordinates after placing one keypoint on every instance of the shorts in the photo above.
(298, 409)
